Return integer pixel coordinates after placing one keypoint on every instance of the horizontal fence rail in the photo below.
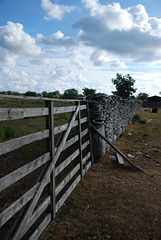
(63, 156)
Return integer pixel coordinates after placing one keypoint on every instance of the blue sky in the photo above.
(48, 45)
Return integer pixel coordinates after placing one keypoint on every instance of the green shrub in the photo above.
(136, 118)
(142, 121)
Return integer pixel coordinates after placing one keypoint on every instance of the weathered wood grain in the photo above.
(41, 227)
(36, 197)
(20, 113)
(37, 98)
(42, 207)
(19, 204)
(58, 110)
(67, 193)
(86, 168)
(16, 143)
(66, 179)
(21, 172)
(66, 162)
(80, 142)
(86, 157)
(85, 145)
(120, 159)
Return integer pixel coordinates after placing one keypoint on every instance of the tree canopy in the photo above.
(142, 96)
(88, 92)
(71, 94)
(124, 85)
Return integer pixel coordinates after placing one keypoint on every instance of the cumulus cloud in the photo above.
(93, 4)
(77, 59)
(126, 33)
(56, 39)
(60, 73)
(55, 11)
(101, 58)
(18, 81)
(16, 41)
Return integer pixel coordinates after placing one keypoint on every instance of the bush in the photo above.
(136, 118)
(142, 121)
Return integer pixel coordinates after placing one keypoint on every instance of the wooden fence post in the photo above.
(80, 140)
(90, 136)
(51, 148)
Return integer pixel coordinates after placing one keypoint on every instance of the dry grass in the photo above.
(117, 203)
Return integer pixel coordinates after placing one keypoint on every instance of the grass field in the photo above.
(118, 203)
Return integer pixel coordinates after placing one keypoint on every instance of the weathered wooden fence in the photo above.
(67, 157)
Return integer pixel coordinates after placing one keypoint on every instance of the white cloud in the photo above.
(101, 58)
(77, 59)
(16, 41)
(93, 4)
(55, 11)
(56, 39)
(125, 33)
(17, 81)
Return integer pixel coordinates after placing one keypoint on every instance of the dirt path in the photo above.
(118, 203)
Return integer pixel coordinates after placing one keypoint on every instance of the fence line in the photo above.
(62, 166)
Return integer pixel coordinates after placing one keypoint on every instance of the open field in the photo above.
(118, 203)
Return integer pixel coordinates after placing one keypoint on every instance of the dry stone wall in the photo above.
(110, 115)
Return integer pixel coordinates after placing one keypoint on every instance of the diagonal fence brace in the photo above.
(116, 149)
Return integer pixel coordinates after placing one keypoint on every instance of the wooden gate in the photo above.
(67, 157)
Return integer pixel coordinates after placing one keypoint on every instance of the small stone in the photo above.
(157, 164)
(139, 153)
(147, 156)
(129, 133)
(130, 155)
(113, 158)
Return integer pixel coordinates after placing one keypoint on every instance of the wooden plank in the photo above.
(43, 206)
(86, 157)
(67, 193)
(37, 98)
(21, 172)
(120, 159)
(84, 132)
(63, 127)
(60, 128)
(16, 143)
(64, 138)
(52, 140)
(84, 120)
(19, 204)
(58, 110)
(70, 142)
(20, 113)
(66, 179)
(80, 142)
(35, 199)
(41, 227)
(83, 107)
(90, 135)
(86, 168)
(66, 162)
(85, 145)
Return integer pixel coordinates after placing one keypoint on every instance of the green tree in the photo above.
(142, 96)
(70, 94)
(88, 92)
(29, 93)
(124, 85)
